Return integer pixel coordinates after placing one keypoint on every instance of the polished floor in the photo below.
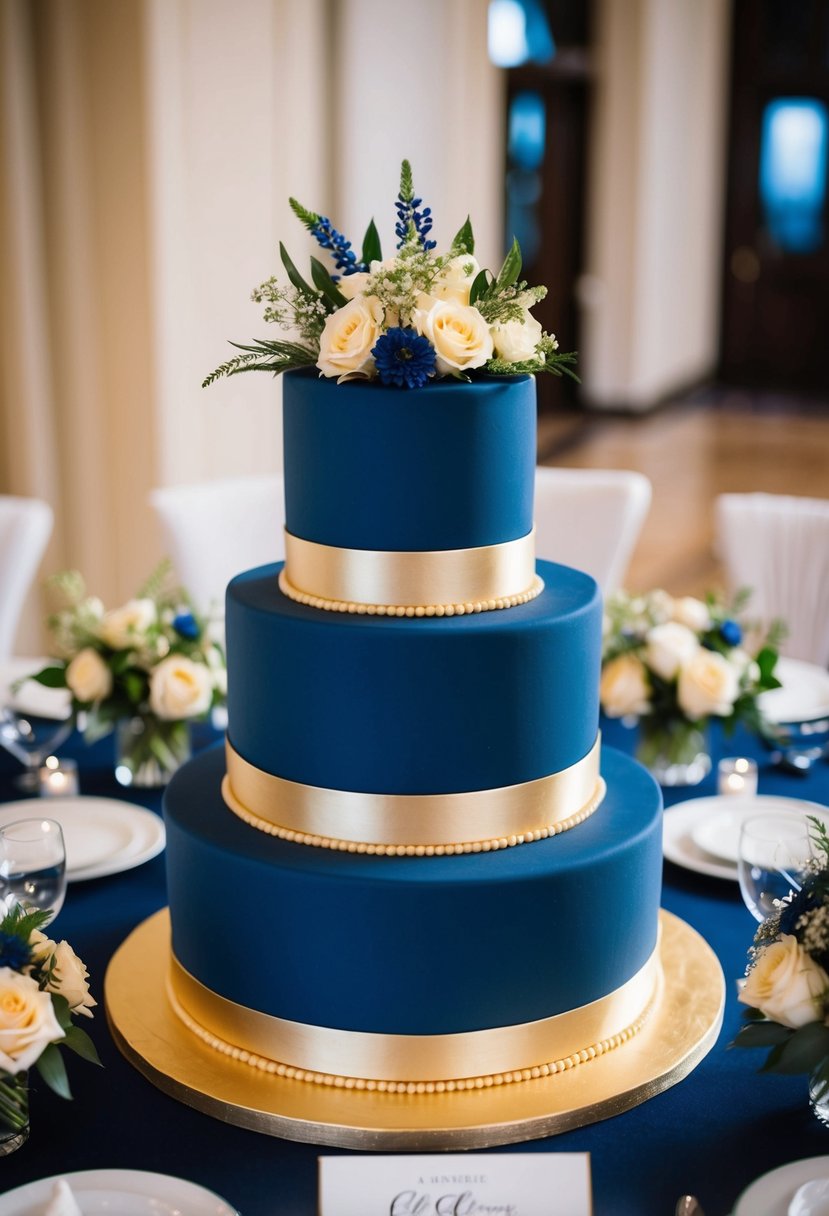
(712, 442)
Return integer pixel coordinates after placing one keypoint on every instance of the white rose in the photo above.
(125, 627)
(351, 285)
(27, 1021)
(669, 647)
(515, 341)
(693, 613)
(347, 338)
(786, 984)
(708, 684)
(458, 333)
(455, 279)
(70, 978)
(624, 687)
(180, 688)
(88, 677)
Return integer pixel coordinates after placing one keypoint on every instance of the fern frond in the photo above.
(309, 219)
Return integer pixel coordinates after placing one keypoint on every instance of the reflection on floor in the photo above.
(712, 442)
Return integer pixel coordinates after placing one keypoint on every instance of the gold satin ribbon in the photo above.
(397, 1057)
(417, 579)
(529, 810)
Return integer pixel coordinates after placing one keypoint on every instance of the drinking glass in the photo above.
(33, 863)
(773, 853)
(30, 740)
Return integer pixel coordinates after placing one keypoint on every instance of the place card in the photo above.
(477, 1184)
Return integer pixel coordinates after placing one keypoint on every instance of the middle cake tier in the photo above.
(407, 706)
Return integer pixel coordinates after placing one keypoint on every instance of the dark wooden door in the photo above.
(775, 322)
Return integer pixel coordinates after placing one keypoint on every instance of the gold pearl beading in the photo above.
(412, 850)
(355, 608)
(338, 1081)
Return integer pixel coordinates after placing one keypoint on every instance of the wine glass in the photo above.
(30, 740)
(33, 863)
(774, 851)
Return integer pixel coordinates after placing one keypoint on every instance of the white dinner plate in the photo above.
(771, 1194)
(803, 695)
(103, 835)
(31, 697)
(701, 833)
(125, 1192)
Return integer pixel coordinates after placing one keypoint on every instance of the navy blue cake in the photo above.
(457, 887)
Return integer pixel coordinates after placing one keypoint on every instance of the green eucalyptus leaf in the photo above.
(50, 677)
(511, 268)
(802, 1052)
(480, 286)
(324, 282)
(52, 1069)
(62, 1011)
(464, 240)
(78, 1040)
(762, 1034)
(372, 251)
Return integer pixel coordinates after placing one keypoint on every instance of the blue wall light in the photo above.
(793, 155)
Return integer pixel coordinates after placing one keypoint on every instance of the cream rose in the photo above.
(669, 647)
(352, 285)
(624, 687)
(88, 677)
(347, 338)
(455, 279)
(27, 1021)
(458, 333)
(692, 613)
(708, 684)
(70, 978)
(786, 984)
(516, 341)
(125, 627)
(180, 688)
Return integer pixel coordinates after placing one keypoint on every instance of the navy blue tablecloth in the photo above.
(710, 1135)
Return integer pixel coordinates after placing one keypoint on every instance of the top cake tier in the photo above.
(409, 501)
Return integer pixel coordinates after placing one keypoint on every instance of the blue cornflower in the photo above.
(404, 358)
(731, 633)
(186, 626)
(14, 953)
(345, 259)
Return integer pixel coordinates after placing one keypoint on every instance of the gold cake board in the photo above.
(679, 1031)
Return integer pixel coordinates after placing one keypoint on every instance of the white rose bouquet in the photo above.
(787, 981)
(675, 663)
(405, 320)
(150, 667)
(43, 986)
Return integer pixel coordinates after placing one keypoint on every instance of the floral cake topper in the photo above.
(403, 320)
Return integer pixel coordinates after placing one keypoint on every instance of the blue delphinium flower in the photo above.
(345, 259)
(731, 633)
(14, 953)
(186, 626)
(404, 358)
(408, 214)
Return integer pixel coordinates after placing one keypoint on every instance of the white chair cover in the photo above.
(590, 519)
(25, 528)
(215, 530)
(778, 546)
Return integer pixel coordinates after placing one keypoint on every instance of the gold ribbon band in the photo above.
(411, 823)
(483, 576)
(320, 1051)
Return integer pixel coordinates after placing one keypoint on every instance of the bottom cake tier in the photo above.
(413, 971)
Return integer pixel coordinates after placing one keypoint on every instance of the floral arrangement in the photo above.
(675, 663)
(403, 320)
(43, 986)
(787, 981)
(150, 661)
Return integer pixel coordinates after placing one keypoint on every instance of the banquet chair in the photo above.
(214, 530)
(778, 545)
(590, 519)
(25, 529)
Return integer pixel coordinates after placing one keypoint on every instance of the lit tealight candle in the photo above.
(58, 778)
(737, 775)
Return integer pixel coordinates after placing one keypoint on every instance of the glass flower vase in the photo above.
(674, 750)
(819, 1099)
(14, 1111)
(148, 750)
